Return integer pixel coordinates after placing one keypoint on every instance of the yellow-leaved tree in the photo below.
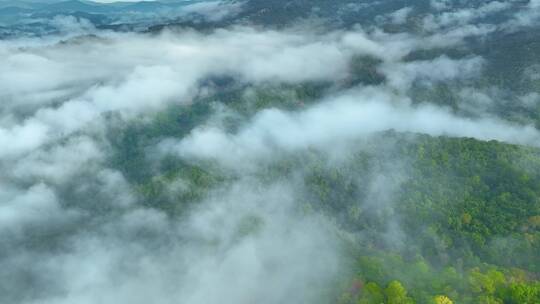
(442, 300)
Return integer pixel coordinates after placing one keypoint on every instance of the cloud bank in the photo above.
(76, 229)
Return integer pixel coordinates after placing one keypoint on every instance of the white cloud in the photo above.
(34, 208)
(81, 79)
(400, 16)
(214, 10)
(335, 122)
(402, 75)
(58, 170)
(463, 16)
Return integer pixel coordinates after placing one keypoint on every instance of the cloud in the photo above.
(34, 207)
(463, 16)
(528, 15)
(89, 227)
(402, 76)
(78, 80)
(59, 163)
(440, 4)
(214, 10)
(71, 25)
(400, 16)
(333, 123)
(102, 244)
(207, 258)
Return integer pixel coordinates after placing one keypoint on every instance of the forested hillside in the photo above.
(423, 219)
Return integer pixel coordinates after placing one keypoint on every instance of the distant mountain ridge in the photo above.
(31, 16)
(92, 7)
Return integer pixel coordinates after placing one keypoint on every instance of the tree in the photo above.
(442, 300)
(486, 283)
(524, 293)
(486, 299)
(397, 294)
(373, 294)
